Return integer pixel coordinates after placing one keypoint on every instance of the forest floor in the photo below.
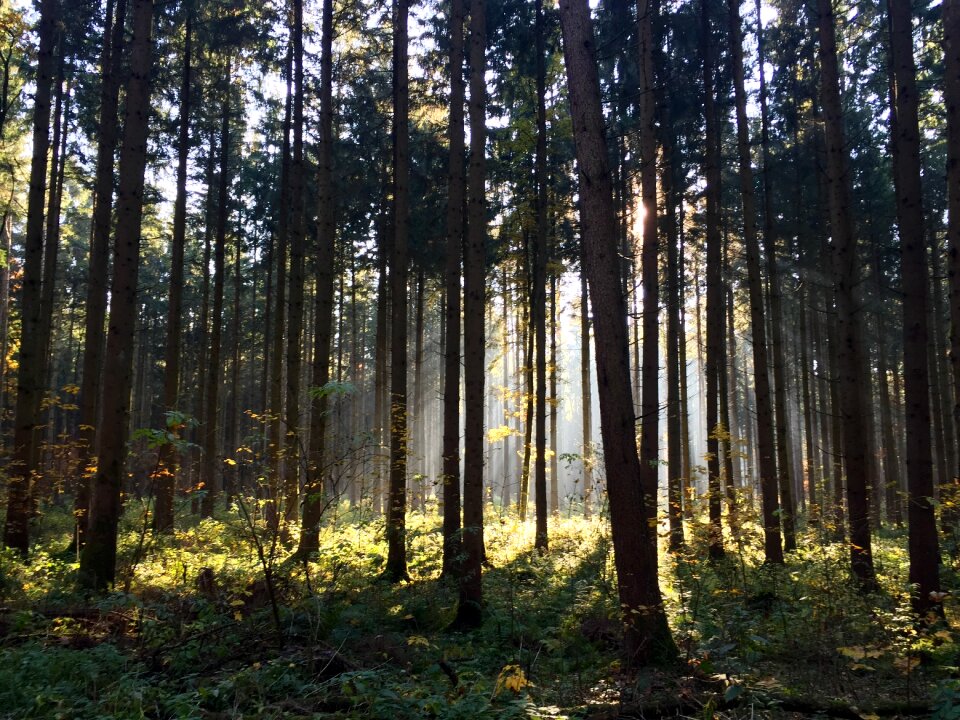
(191, 631)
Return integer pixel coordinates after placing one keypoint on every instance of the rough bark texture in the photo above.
(16, 532)
(539, 307)
(298, 169)
(452, 335)
(167, 463)
(211, 476)
(396, 568)
(315, 499)
(647, 635)
(470, 605)
(650, 362)
(586, 394)
(715, 313)
(850, 348)
(766, 445)
(98, 560)
(922, 541)
(785, 478)
(951, 58)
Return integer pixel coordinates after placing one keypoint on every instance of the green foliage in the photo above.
(193, 635)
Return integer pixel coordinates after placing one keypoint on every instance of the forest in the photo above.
(479, 359)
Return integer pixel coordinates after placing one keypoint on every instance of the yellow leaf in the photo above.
(229, 461)
(861, 666)
(418, 641)
(238, 616)
(854, 653)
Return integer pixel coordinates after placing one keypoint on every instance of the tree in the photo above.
(16, 533)
(98, 559)
(922, 543)
(211, 478)
(314, 500)
(470, 605)
(452, 276)
(951, 57)
(647, 635)
(539, 298)
(773, 550)
(166, 486)
(844, 273)
(396, 568)
(715, 314)
(650, 400)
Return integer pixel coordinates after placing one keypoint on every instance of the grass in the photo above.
(190, 633)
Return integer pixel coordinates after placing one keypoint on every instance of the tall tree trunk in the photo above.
(396, 568)
(922, 544)
(586, 394)
(554, 403)
(891, 456)
(539, 307)
(785, 478)
(715, 313)
(674, 365)
(451, 351)
(773, 551)
(292, 434)
(16, 531)
(211, 476)
(647, 635)
(315, 500)
(951, 58)
(470, 605)
(167, 462)
(650, 361)
(98, 560)
(275, 434)
(850, 347)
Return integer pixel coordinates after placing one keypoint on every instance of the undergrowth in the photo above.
(191, 631)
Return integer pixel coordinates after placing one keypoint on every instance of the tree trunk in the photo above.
(715, 313)
(167, 462)
(647, 635)
(922, 544)
(586, 394)
(650, 360)
(16, 532)
(539, 306)
(470, 605)
(773, 551)
(396, 568)
(951, 58)
(674, 364)
(315, 499)
(451, 351)
(98, 560)
(211, 476)
(292, 434)
(785, 478)
(849, 349)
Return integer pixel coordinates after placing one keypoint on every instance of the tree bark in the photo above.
(292, 430)
(163, 511)
(451, 352)
(647, 635)
(773, 551)
(850, 347)
(470, 605)
(211, 476)
(396, 568)
(98, 559)
(715, 312)
(922, 544)
(16, 531)
(315, 499)
(951, 59)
